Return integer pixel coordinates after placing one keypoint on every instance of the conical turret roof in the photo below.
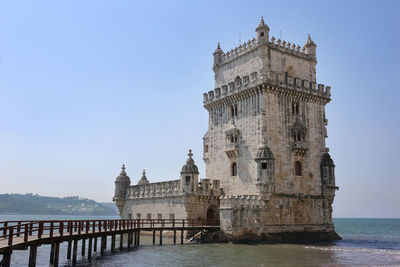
(190, 167)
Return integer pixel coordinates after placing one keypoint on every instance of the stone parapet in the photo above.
(291, 84)
(250, 45)
(288, 48)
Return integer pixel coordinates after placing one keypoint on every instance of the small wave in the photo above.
(380, 251)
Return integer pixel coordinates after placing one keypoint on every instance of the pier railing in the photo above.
(9, 230)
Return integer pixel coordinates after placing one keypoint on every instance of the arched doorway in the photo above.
(212, 215)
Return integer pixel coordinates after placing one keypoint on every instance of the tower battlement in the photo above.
(278, 44)
(273, 81)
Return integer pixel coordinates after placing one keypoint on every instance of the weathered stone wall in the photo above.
(155, 206)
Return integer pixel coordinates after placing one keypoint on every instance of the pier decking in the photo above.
(22, 235)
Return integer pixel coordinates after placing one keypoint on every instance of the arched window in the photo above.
(298, 169)
(234, 169)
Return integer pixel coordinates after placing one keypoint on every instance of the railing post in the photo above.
(79, 228)
(11, 234)
(87, 226)
(26, 233)
(51, 229)
(30, 228)
(5, 228)
(99, 226)
(61, 228)
(40, 230)
(18, 229)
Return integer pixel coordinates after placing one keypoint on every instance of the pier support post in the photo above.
(113, 243)
(56, 254)
(174, 237)
(160, 237)
(6, 261)
(182, 237)
(52, 253)
(75, 252)
(102, 245)
(121, 241)
(154, 237)
(129, 240)
(89, 253)
(32, 256)
(69, 249)
(83, 246)
(95, 244)
(138, 238)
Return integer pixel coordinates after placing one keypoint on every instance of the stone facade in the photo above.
(265, 145)
(185, 198)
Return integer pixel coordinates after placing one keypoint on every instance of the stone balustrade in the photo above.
(172, 188)
(160, 189)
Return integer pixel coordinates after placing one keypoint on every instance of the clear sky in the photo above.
(88, 85)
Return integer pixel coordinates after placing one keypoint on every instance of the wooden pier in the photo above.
(23, 235)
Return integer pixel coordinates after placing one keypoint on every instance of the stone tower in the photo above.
(266, 139)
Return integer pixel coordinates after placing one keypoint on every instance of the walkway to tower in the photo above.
(22, 235)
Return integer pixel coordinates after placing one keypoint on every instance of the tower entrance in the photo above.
(212, 215)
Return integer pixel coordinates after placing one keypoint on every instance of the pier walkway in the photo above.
(23, 235)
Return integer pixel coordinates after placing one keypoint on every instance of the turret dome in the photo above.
(262, 25)
(190, 167)
(264, 152)
(123, 177)
(143, 180)
(327, 160)
(310, 42)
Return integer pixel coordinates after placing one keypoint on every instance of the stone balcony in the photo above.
(232, 150)
(299, 147)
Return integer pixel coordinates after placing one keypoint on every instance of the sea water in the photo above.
(366, 242)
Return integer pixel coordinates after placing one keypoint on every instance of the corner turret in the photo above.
(265, 169)
(122, 183)
(262, 32)
(310, 48)
(218, 53)
(189, 175)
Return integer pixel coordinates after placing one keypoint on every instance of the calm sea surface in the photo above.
(366, 242)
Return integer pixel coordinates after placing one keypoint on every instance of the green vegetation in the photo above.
(35, 204)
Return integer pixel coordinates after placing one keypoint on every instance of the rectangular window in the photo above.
(205, 148)
(264, 165)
